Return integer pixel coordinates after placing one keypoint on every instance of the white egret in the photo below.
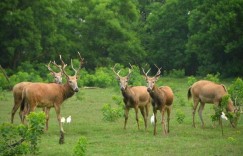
(62, 120)
(152, 119)
(223, 116)
(69, 119)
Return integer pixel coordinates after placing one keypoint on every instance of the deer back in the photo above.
(207, 91)
(136, 95)
(44, 94)
(167, 95)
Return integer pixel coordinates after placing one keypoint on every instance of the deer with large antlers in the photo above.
(162, 99)
(50, 94)
(18, 88)
(135, 97)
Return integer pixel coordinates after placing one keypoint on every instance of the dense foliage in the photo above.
(21, 139)
(199, 37)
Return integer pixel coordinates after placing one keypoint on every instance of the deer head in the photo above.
(151, 80)
(72, 80)
(57, 76)
(123, 81)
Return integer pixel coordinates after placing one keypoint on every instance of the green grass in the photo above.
(109, 138)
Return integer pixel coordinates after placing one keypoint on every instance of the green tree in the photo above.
(18, 33)
(107, 33)
(215, 41)
(167, 26)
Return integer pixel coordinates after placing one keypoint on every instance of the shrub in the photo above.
(211, 77)
(136, 78)
(112, 114)
(236, 91)
(3, 94)
(81, 147)
(180, 116)
(103, 77)
(4, 84)
(176, 73)
(181, 101)
(191, 80)
(21, 139)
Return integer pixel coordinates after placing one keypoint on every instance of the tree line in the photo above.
(198, 36)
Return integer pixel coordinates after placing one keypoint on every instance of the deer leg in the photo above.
(136, 113)
(14, 109)
(200, 110)
(126, 116)
(163, 120)
(47, 112)
(144, 117)
(168, 118)
(155, 121)
(196, 101)
(59, 117)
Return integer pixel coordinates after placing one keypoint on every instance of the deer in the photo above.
(50, 94)
(205, 91)
(135, 97)
(162, 99)
(18, 88)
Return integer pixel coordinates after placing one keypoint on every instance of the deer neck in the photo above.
(155, 92)
(127, 93)
(67, 91)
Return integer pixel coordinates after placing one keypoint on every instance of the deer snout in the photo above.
(76, 90)
(149, 89)
(122, 88)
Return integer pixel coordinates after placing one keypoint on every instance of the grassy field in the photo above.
(109, 138)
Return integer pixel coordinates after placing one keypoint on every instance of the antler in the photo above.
(81, 60)
(59, 66)
(117, 73)
(63, 66)
(145, 74)
(49, 68)
(158, 72)
(73, 68)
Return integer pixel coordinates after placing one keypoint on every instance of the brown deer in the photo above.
(50, 94)
(204, 91)
(162, 99)
(18, 88)
(135, 97)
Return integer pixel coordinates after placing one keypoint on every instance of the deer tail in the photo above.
(189, 94)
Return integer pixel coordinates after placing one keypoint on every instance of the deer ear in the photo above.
(117, 77)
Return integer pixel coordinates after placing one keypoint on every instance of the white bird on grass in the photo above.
(62, 120)
(223, 116)
(152, 119)
(69, 119)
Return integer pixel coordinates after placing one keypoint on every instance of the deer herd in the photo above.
(30, 95)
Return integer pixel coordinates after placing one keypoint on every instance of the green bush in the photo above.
(103, 77)
(3, 94)
(22, 139)
(175, 73)
(191, 80)
(211, 77)
(236, 91)
(181, 101)
(81, 147)
(4, 84)
(180, 116)
(112, 114)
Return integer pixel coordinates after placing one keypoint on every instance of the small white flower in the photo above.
(152, 119)
(223, 116)
(62, 120)
(69, 119)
